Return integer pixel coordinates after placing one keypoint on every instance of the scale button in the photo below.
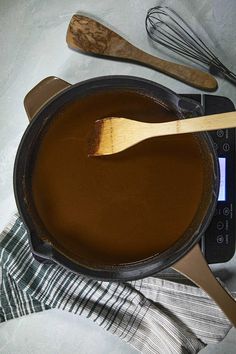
(216, 146)
(220, 239)
(226, 225)
(220, 225)
(220, 133)
(226, 211)
(226, 147)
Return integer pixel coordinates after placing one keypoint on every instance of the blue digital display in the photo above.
(222, 192)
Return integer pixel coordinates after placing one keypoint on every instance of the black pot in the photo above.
(23, 165)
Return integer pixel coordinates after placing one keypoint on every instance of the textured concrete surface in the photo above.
(32, 37)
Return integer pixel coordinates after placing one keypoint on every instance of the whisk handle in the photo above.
(188, 75)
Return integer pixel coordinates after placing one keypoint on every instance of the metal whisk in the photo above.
(167, 28)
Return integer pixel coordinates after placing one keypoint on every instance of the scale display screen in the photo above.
(222, 192)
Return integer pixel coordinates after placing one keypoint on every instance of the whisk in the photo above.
(167, 28)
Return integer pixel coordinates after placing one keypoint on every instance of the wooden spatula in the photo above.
(91, 36)
(113, 134)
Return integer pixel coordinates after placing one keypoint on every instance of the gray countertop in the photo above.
(32, 37)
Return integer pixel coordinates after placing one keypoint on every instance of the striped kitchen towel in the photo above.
(155, 315)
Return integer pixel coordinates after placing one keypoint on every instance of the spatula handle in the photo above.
(194, 266)
(191, 76)
(190, 125)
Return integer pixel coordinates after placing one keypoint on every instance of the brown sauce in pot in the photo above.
(119, 208)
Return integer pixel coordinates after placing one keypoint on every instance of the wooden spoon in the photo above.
(113, 134)
(91, 36)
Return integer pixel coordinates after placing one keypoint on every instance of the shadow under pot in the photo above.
(123, 216)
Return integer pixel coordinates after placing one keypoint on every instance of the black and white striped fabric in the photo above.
(155, 315)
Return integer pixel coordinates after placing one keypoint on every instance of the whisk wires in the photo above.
(167, 28)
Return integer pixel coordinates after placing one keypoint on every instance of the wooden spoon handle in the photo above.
(190, 125)
(190, 76)
(194, 266)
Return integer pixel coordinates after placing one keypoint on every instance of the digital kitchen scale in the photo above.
(218, 243)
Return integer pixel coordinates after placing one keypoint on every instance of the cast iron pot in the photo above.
(185, 256)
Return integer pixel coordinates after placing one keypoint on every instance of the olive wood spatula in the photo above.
(113, 134)
(90, 36)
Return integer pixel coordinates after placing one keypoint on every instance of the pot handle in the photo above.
(194, 266)
(41, 93)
